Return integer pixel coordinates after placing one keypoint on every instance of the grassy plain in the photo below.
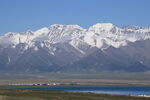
(60, 95)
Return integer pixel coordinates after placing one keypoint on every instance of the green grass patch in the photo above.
(60, 95)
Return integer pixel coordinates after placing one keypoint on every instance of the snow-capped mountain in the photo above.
(95, 36)
(52, 48)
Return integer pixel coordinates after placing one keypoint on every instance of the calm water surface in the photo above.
(121, 90)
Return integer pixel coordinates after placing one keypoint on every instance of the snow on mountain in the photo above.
(114, 36)
(102, 27)
(57, 47)
(78, 37)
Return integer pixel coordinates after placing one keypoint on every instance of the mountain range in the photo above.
(73, 49)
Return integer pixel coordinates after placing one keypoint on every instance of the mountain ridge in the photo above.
(61, 46)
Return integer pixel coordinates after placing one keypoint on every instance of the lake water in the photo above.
(121, 90)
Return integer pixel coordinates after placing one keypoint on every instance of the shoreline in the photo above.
(27, 87)
(63, 95)
(111, 94)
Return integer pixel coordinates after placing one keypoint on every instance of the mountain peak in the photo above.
(64, 26)
(51, 48)
(103, 24)
(96, 35)
(102, 27)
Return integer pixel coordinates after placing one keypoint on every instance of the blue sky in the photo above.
(22, 15)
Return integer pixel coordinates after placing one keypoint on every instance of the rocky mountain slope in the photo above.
(71, 48)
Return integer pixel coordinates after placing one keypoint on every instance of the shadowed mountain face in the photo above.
(72, 49)
(134, 57)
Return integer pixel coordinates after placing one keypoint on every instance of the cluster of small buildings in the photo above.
(43, 84)
(34, 84)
